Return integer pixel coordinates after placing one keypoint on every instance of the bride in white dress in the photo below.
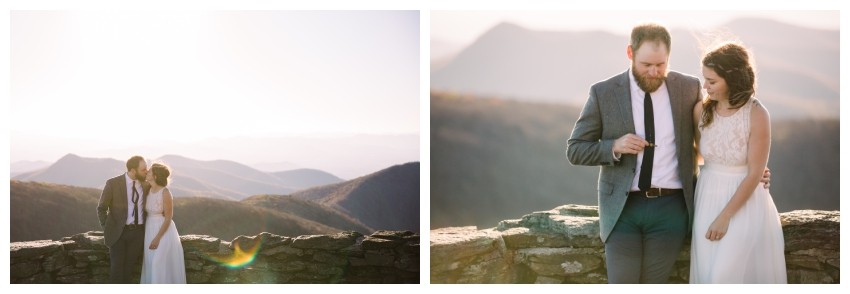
(737, 235)
(163, 262)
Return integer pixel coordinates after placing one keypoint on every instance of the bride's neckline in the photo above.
(730, 115)
(717, 113)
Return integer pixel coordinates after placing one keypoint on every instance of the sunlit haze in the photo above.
(463, 27)
(89, 81)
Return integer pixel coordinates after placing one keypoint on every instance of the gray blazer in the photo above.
(607, 116)
(112, 208)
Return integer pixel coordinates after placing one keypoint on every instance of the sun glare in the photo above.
(239, 258)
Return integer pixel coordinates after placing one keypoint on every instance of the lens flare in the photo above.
(239, 258)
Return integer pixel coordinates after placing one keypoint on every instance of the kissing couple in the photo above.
(135, 211)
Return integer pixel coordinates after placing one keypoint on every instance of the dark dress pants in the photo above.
(125, 255)
(646, 240)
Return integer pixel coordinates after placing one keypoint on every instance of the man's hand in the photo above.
(765, 178)
(629, 144)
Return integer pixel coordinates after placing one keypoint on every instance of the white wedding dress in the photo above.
(752, 251)
(163, 265)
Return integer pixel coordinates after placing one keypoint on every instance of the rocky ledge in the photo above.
(563, 246)
(347, 257)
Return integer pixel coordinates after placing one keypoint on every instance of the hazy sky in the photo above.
(125, 77)
(463, 27)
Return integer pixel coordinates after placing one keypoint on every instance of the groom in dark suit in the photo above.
(638, 126)
(121, 213)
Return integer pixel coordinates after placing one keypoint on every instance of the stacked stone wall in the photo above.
(563, 246)
(348, 257)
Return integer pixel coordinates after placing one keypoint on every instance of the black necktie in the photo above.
(645, 179)
(135, 205)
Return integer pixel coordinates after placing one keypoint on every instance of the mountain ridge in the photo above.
(222, 179)
(511, 62)
(386, 197)
(73, 209)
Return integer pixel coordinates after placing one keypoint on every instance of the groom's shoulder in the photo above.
(115, 178)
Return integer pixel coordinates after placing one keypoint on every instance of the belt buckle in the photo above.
(646, 193)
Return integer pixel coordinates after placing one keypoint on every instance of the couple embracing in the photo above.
(646, 128)
(135, 211)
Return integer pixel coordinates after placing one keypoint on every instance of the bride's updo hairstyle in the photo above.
(731, 62)
(160, 174)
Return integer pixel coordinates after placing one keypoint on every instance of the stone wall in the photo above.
(349, 257)
(563, 246)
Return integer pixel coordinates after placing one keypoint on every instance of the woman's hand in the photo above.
(154, 244)
(718, 228)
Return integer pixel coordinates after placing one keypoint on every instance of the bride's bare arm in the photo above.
(697, 119)
(758, 152)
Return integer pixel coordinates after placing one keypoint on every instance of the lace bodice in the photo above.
(725, 140)
(154, 203)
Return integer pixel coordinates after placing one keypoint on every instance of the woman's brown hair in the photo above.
(732, 63)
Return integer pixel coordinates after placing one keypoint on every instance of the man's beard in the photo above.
(140, 177)
(648, 84)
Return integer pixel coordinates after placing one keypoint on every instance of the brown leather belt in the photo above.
(655, 192)
(134, 227)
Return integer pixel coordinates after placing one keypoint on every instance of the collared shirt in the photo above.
(665, 166)
(130, 200)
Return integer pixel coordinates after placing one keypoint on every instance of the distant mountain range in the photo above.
(387, 199)
(329, 153)
(495, 159)
(72, 209)
(50, 211)
(220, 179)
(797, 79)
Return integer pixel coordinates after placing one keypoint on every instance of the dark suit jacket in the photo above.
(112, 208)
(607, 116)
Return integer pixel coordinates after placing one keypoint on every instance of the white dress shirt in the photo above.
(130, 200)
(665, 166)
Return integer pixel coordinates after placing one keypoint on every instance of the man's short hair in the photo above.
(133, 162)
(649, 32)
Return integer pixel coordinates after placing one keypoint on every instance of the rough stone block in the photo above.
(40, 278)
(326, 242)
(75, 279)
(197, 277)
(69, 270)
(802, 276)
(31, 249)
(200, 243)
(258, 277)
(560, 261)
(371, 243)
(24, 269)
(194, 265)
(331, 259)
(806, 229)
(548, 280)
(392, 235)
(324, 269)
(450, 244)
(89, 240)
(55, 261)
(289, 267)
(803, 261)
